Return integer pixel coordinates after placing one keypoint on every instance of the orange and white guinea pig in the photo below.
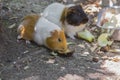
(43, 32)
(71, 18)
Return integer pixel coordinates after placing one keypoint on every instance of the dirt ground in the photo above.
(21, 61)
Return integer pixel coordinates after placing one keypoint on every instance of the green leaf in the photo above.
(70, 43)
(86, 35)
(53, 53)
(103, 40)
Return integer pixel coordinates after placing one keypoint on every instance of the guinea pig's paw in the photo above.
(28, 42)
(19, 37)
(72, 36)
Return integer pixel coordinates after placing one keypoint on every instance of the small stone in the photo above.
(95, 59)
(62, 68)
(26, 67)
(25, 51)
(52, 61)
(85, 54)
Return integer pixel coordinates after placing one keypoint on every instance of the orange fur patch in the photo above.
(28, 24)
(57, 41)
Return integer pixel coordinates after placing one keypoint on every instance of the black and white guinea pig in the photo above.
(71, 18)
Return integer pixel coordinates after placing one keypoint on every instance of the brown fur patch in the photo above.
(62, 19)
(57, 41)
(27, 30)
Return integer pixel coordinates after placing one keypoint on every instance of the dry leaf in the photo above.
(51, 61)
(82, 46)
(71, 77)
(116, 59)
(70, 43)
(53, 54)
(25, 51)
(114, 50)
(85, 54)
(12, 26)
(26, 67)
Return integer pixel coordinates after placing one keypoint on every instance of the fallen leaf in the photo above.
(85, 54)
(86, 35)
(26, 67)
(82, 46)
(12, 26)
(53, 53)
(116, 59)
(51, 61)
(114, 50)
(14, 17)
(25, 51)
(70, 43)
(103, 40)
(71, 77)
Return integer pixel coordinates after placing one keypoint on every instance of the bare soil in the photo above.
(21, 61)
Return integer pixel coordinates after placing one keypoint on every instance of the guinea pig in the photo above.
(43, 32)
(71, 18)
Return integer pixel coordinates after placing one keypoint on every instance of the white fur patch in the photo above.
(43, 30)
(71, 30)
(53, 13)
(19, 28)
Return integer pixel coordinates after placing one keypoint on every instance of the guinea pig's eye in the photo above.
(59, 40)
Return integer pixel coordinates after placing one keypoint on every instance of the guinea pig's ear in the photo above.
(80, 5)
(69, 10)
(54, 33)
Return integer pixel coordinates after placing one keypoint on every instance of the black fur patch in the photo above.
(76, 16)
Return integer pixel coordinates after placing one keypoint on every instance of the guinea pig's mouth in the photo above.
(66, 53)
(61, 51)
